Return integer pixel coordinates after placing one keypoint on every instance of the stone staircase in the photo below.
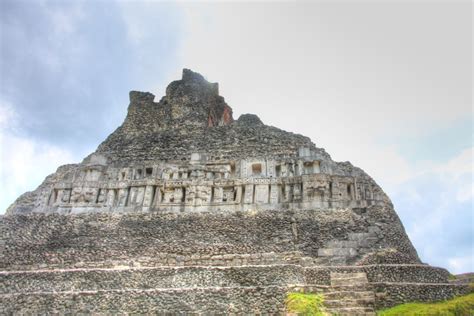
(349, 294)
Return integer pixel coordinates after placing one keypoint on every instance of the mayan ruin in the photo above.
(186, 210)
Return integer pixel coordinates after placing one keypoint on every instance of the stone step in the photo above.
(349, 281)
(345, 302)
(345, 275)
(352, 311)
(317, 288)
(349, 295)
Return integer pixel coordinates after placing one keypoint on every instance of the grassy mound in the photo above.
(460, 306)
(305, 304)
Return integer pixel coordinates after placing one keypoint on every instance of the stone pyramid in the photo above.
(185, 210)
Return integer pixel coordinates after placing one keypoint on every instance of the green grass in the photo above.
(305, 304)
(460, 306)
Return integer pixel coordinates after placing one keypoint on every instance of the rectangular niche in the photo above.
(148, 172)
(256, 169)
(138, 174)
(278, 170)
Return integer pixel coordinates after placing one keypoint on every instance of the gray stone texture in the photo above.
(185, 210)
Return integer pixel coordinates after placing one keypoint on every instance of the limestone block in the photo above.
(287, 192)
(102, 196)
(178, 195)
(270, 168)
(274, 193)
(148, 196)
(342, 244)
(238, 194)
(248, 198)
(304, 152)
(132, 199)
(122, 197)
(140, 196)
(92, 175)
(218, 194)
(111, 197)
(339, 252)
(65, 196)
(299, 168)
(261, 194)
(97, 159)
(297, 194)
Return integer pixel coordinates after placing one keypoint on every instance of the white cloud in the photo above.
(24, 163)
(435, 203)
(461, 264)
(344, 70)
(65, 19)
(8, 117)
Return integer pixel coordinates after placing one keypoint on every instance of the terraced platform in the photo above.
(245, 289)
(184, 210)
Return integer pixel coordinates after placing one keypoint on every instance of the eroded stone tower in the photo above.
(184, 209)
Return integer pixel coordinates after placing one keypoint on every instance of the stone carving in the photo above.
(187, 154)
(202, 195)
(83, 195)
(228, 194)
(316, 190)
(102, 197)
(66, 196)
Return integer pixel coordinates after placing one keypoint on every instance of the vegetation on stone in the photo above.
(460, 306)
(305, 304)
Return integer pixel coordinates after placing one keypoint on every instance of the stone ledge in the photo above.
(255, 300)
(391, 294)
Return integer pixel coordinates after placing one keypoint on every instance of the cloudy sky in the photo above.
(385, 85)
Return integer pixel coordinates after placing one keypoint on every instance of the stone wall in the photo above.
(209, 289)
(198, 184)
(391, 294)
(190, 301)
(75, 240)
(394, 273)
(146, 278)
(119, 277)
(202, 262)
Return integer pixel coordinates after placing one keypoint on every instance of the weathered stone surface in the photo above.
(184, 210)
